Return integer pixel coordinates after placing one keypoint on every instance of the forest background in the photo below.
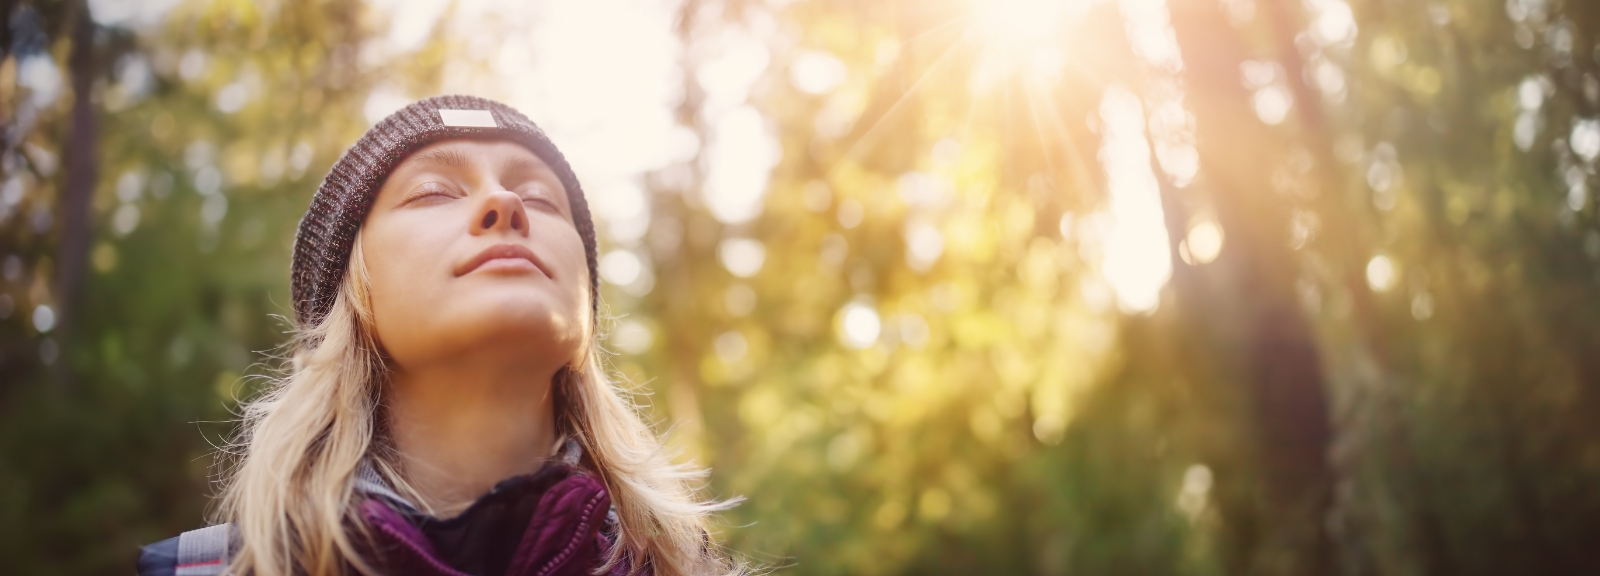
(1150, 287)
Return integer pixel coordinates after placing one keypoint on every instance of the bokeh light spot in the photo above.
(858, 325)
(1381, 273)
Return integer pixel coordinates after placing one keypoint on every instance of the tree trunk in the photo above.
(81, 165)
(1279, 361)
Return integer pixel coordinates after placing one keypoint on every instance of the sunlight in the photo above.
(1203, 242)
(859, 325)
(599, 76)
(742, 154)
(1019, 22)
(1023, 35)
(1381, 273)
(1149, 28)
(1136, 262)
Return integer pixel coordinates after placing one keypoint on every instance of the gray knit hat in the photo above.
(328, 230)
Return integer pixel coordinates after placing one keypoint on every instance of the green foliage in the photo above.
(194, 215)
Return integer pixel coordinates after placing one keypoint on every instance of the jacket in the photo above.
(557, 521)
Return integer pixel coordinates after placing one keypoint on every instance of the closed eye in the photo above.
(539, 196)
(430, 191)
(541, 200)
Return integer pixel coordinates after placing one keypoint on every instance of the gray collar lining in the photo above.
(368, 480)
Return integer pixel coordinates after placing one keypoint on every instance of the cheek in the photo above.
(395, 262)
(566, 247)
(401, 264)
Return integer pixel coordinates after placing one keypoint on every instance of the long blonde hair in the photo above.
(288, 475)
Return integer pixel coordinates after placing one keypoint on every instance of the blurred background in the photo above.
(1201, 287)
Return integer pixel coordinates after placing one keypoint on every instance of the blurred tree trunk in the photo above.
(81, 167)
(1317, 136)
(1279, 359)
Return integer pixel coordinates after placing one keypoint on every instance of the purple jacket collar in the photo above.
(555, 522)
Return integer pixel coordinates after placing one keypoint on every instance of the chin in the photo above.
(495, 339)
(530, 321)
(509, 322)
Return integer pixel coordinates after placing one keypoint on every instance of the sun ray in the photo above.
(872, 130)
(1075, 155)
(1038, 130)
(966, 128)
(935, 28)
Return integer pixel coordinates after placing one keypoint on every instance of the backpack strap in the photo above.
(368, 480)
(203, 552)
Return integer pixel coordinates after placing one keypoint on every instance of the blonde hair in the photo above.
(289, 474)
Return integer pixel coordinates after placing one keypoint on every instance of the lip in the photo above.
(503, 257)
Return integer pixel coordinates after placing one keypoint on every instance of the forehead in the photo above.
(464, 153)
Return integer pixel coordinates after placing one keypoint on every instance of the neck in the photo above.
(462, 427)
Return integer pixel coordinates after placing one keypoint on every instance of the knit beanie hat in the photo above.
(328, 230)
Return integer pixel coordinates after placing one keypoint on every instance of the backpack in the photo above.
(203, 552)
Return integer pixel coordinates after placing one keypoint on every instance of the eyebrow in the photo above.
(454, 158)
(446, 156)
(520, 163)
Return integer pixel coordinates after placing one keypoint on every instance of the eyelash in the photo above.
(429, 190)
(432, 189)
(539, 196)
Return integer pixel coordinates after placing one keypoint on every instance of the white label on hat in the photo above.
(467, 118)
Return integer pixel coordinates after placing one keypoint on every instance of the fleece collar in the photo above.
(557, 521)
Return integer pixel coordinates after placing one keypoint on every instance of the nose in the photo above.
(501, 211)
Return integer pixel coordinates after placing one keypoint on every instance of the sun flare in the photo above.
(1023, 23)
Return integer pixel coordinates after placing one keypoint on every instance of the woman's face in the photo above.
(472, 254)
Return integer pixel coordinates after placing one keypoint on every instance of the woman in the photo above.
(445, 410)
